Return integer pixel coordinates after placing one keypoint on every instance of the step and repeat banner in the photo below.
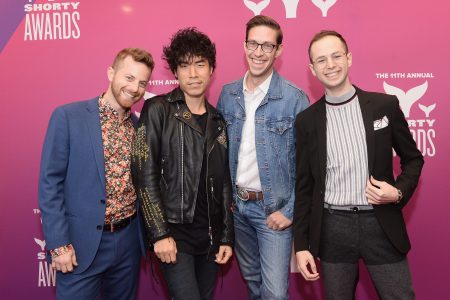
(55, 51)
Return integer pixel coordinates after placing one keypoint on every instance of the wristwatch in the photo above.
(400, 196)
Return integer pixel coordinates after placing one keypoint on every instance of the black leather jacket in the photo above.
(166, 165)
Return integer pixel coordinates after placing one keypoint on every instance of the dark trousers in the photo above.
(349, 236)
(113, 273)
(192, 277)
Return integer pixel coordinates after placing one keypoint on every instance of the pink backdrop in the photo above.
(399, 47)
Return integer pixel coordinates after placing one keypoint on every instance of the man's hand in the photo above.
(304, 258)
(65, 262)
(277, 221)
(380, 192)
(224, 254)
(166, 250)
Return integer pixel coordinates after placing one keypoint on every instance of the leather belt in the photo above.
(350, 208)
(118, 225)
(246, 195)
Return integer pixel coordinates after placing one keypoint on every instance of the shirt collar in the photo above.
(264, 86)
(106, 108)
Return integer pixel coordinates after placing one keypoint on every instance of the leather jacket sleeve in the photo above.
(146, 169)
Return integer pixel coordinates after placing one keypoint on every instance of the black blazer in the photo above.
(311, 167)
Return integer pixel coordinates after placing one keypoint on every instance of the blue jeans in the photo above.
(264, 254)
(192, 277)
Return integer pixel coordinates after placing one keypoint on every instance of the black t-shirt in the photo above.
(193, 238)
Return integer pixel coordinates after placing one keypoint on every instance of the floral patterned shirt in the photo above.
(117, 138)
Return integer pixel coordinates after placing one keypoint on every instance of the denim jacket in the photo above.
(275, 138)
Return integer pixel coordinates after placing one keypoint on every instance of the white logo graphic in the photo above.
(46, 275)
(324, 5)
(406, 99)
(256, 8)
(147, 96)
(427, 109)
(291, 8)
(51, 21)
(41, 243)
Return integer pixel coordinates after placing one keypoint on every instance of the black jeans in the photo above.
(192, 277)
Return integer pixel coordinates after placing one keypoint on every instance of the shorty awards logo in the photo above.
(46, 275)
(290, 6)
(422, 126)
(52, 21)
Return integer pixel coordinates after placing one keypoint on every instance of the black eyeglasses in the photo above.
(266, 47)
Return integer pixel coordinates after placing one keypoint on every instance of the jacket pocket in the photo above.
(279, 127)
(280, 133)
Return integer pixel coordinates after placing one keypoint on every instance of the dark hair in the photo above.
(265, 21)
(324, 33)
(138, 55)
(185, 45)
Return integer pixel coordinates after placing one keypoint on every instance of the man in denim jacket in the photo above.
(260, 111)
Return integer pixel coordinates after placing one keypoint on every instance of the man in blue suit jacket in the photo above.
(86, 196)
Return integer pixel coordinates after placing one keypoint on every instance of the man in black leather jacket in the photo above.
(180, 169)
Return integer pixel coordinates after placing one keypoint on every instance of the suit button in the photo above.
(99, 227)
(102, 201)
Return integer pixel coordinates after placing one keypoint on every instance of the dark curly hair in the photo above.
(185, 45)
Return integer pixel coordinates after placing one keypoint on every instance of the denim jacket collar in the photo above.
(275, 91)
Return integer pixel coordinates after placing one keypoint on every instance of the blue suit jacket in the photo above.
(72, 188)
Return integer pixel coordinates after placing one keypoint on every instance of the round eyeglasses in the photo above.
(336, 57)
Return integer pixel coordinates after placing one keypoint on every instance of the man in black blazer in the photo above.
(348, 202)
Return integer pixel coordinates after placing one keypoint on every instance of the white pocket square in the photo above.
(381, 123)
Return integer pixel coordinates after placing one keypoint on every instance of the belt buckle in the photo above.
(242, 193)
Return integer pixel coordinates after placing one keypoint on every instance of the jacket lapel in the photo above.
(95, 134)
(213, 126)
(367, 115)
(321, 127)
(183, 113)
(134, 119)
